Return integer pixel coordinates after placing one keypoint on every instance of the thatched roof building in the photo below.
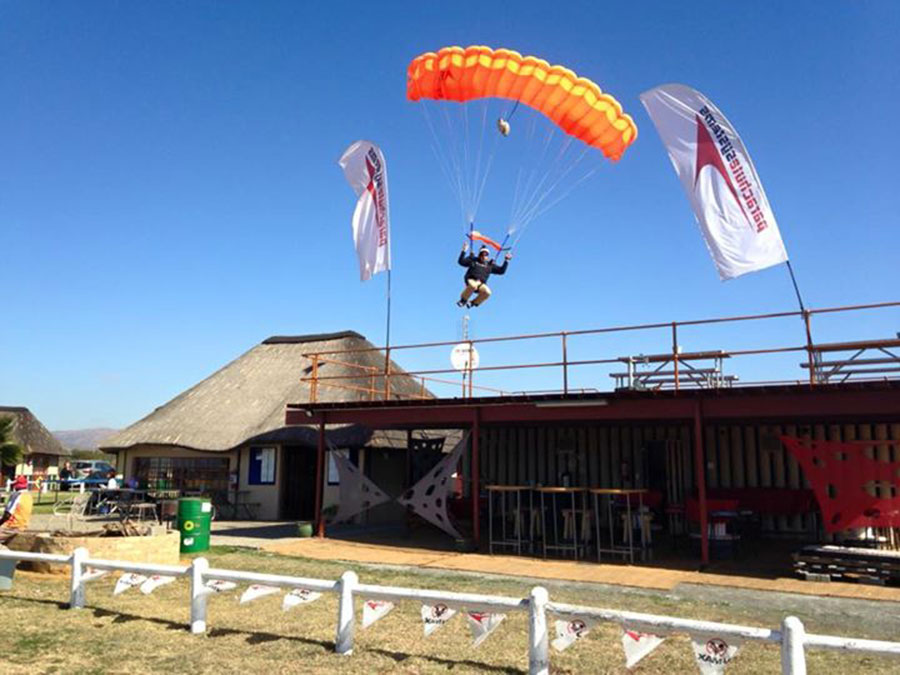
(244, 401)
(227, 433)
(31, 434)
(42, 449)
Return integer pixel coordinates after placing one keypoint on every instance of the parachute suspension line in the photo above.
(452, 147)
(549, 180)
(541, 171)
(443, 160)
(528, 214)
(529, 138)
(513, 111)
(480, 186)
(533, 174)
(540, 208)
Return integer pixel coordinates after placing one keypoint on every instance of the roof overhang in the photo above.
(856, 401)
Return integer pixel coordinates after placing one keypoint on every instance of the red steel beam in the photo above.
(796, 403)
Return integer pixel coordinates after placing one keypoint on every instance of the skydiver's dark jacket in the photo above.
(478, 270)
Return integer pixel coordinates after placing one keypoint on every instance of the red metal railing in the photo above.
(379, 379)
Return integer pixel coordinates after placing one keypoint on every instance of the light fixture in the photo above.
(571, 404)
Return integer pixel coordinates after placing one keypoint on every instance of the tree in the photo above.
(11, 453)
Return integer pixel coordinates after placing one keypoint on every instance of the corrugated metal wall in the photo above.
(737, 456)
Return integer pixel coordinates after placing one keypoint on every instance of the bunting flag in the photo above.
(255, 591)
(568, 632)
(714, 653)
(299, 596)
(92, 574)
(436, 616)
(218, 586)
(357, 493)
(373, 610)
(637, 645)
(128, 580)
(483, 624)
(154, 582)
(428, 497)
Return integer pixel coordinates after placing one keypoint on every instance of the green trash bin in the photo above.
(194, 517)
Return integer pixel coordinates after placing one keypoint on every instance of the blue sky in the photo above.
(169, 194)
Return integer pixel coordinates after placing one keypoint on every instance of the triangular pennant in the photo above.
(568, 631)
(299, 596)
(428, 497)
(255, 591)
(128, 580)
(436, 616)
(713, 653)
(218, 586)
(637, 645)
(154, 582)
(483, 624)
(374, 610)
(91, 574)
(357, 492)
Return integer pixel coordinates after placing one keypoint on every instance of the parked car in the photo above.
(83, 467)
(95, 479)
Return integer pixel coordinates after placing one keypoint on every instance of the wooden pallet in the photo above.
(822, 563)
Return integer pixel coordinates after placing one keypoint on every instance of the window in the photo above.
(182, 473)
(262, 466)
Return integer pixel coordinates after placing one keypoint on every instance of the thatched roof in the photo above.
(31, 434)
(245, 400)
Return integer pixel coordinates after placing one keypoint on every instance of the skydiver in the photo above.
(479, 270)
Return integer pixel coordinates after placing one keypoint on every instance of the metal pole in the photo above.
(314, 385)
(700, 473)
(565, 364)
(810, 352)
(476, 516)
(387, 340)
(320, 469)
(387, 374)
(469, 365)
(675, 352)
(796, 287)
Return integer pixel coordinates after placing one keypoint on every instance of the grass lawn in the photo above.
(133, 633)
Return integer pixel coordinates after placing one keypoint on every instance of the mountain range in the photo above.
(83, 439)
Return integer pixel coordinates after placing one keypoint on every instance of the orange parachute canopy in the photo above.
(575, 104)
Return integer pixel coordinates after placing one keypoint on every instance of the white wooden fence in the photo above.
(791, 636)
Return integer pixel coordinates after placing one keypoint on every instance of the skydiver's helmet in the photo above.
(484, 250)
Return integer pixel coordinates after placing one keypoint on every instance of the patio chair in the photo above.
(73, 509)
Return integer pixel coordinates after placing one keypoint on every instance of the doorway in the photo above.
(298, 483)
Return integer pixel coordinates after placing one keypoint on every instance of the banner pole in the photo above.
(388, 336)
(796, 287)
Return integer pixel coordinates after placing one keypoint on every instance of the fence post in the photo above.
(565, 357)
(199, 595)
(343, 641)
(538, 650)
(793, 656)
(76, 587)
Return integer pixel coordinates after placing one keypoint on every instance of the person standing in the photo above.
(17, 512)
